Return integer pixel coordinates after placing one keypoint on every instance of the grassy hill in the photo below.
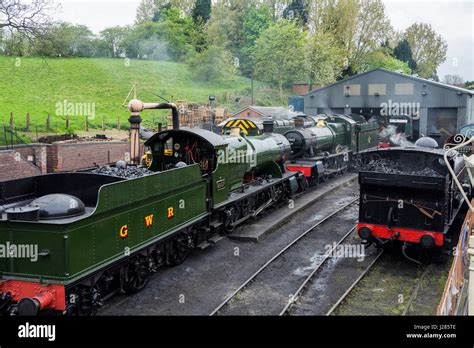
(37, 85)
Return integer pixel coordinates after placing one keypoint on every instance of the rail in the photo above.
(282, 251)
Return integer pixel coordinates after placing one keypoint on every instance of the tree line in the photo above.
(278, 41)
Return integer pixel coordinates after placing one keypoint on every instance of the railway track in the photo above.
(354, 284)
(415, 291)
(413, 294)
(284, 252)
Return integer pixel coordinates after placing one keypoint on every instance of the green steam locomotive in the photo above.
(84, 236)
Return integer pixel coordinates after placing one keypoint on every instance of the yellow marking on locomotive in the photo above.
(149, 220)
(168, 152)
(170, 212)
(320, 123)
(123, 232)
(244, 125)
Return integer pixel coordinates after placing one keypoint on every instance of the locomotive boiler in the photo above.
(328, 147)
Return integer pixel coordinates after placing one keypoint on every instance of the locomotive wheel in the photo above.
(178, 250)
(248, 206)
(324, 177)
(136, 275)
(89, 301)
(230, 217)
(304, 184)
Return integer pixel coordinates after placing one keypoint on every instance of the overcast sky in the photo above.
(453, 19)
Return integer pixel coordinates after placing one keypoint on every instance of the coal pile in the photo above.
(387, 166)
(128, 172)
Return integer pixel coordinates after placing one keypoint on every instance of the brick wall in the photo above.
(37, 152)
(66, 156)
(13, 166)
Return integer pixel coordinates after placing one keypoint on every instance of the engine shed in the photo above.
(438, 110)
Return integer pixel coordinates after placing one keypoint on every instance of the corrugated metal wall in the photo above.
(383, 89)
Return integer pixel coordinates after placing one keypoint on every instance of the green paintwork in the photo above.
(83, 246)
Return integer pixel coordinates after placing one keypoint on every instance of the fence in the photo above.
(191, 115)
(62, 124)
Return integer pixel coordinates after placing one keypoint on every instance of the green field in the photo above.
(37, 86)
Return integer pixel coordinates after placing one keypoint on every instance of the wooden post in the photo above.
(48, 121)
(103, 122)
(67, 121)
(87, 124)
(27, 122)
(12, 123)
(118, 123)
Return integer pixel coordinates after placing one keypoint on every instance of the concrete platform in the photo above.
(253, 232)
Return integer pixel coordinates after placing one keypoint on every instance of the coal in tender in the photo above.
(387, 166)
(128, 172)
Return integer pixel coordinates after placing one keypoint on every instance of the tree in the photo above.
(381, 58)
(297, 10)
(454, 80)
(113, 40)
(66, 40)
(428, 48)
(280, 55)
(358, 27)
(148, 10)
(403, 52)
(276, 8)
(14, 44)
(145, 11)
(212, 64)
(255, 21)
(169, 39)
(201, 11)
(323, 59)
(28, 19)
(224, 28)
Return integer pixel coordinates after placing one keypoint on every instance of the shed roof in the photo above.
(419, 79)
(266, 110)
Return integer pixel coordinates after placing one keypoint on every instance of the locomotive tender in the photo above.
(98, 234)
(408, 195)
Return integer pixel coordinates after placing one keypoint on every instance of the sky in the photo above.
(453, 19)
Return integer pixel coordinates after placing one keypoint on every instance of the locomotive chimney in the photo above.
(268, 126)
